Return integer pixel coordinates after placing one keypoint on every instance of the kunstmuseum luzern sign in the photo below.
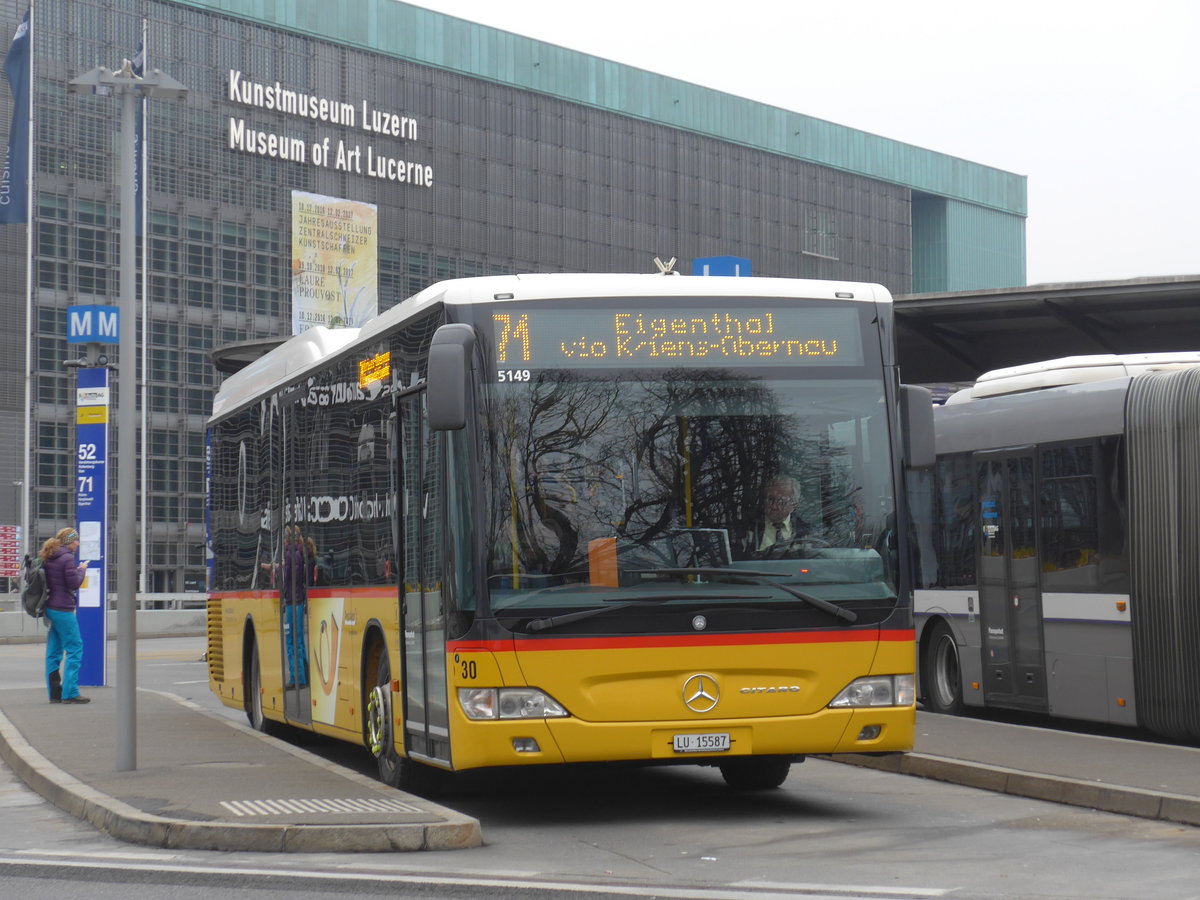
(344, 154)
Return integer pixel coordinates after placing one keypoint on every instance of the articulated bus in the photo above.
(498, 526)
(1058, 548)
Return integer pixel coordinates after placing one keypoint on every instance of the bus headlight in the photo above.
(509, 703)
(877, 690)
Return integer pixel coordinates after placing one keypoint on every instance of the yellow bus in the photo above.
(519, 520)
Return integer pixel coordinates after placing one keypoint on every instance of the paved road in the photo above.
(833, 830)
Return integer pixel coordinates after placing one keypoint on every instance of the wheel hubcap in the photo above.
(378, 720)
(946, 680)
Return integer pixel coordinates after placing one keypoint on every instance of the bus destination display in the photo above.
(628, 337)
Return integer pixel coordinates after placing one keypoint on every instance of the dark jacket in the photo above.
(63, 579)
(295, 580)
(748, 536)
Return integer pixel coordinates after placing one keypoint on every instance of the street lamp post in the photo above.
(129, 87)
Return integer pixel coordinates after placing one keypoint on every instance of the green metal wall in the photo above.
(959, 246)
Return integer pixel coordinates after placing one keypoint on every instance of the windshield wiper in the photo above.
(749, 576)
(567, 618)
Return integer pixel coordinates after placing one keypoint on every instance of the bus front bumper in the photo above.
(571, 740)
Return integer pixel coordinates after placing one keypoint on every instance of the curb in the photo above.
(130, 824)
(1128, 801)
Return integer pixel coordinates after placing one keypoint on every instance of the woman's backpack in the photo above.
(33, 587)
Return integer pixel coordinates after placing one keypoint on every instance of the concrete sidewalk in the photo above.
(1131, 777)
(204, 782)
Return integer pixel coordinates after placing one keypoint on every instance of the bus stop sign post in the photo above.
(91, 512)
(93, 327)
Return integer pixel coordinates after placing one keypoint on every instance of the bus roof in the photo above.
(1070, 370)
(307, 350)
(274, 368)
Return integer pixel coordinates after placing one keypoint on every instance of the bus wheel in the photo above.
(755, 773)
(252, 688)
(942, 676)
(394, 770)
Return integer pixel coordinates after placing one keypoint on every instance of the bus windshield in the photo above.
(635, 488)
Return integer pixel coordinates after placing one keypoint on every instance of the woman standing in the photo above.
(63, 578)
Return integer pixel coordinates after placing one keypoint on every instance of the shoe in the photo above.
(76, 699)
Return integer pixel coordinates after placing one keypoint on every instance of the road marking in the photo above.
(201, 681)
(747, 891)
(344, 806)
(103, 854)
(868, 890)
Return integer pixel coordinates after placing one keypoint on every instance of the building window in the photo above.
(53, 389)
(164, 443)
(233, 265)
(164, 475)
(91, 245)
(164, 334)
(52, 435)
(52, 470)
(197, 401)
(233, 297)
(198, 293)
(91, 280)
(164, 365)
(164, 398)
(54, 276)
(164, 289)
(166, 224)
(52, 505)
(200, 260)
(164, 255)
(53, 240)
(199, 337)
(91, 212)
(266, 302)
(52, 206)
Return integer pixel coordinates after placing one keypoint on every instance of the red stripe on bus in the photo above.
(316, 593)
(680, 640)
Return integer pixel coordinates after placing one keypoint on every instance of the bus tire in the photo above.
(252, 689)
(755, 773)
(394, 770)
(941, 675)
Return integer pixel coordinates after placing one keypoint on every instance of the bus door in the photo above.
(422, 622)
(1010, 602)
(290, 583)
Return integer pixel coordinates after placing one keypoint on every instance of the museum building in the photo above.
(481, 152)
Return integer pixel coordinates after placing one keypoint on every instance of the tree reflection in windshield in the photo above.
(579, 462)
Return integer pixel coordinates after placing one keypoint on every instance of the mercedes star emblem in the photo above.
(701, 693)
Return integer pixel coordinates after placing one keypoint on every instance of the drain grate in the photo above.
(344, 806)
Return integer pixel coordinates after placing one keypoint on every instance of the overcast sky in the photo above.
(1098, 103)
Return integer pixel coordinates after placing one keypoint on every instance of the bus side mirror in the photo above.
(916, 415)
(449, 376)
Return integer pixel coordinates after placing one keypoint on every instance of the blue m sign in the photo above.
(93, 324)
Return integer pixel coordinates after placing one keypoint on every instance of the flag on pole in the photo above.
(139, 134)
(14, 177)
